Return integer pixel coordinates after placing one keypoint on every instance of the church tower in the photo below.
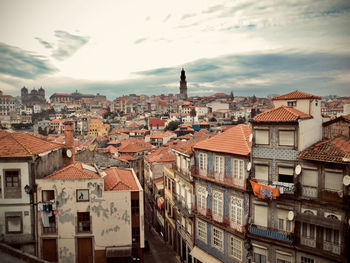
(183, 85)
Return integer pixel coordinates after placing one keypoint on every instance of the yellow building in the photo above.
(97, 128)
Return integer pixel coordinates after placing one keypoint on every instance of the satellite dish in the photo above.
(290, 215)
(69, 153)
(249, 166)
(346, 180)
(298, 169)
(251, 137)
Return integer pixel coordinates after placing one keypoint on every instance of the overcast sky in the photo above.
(122, 47)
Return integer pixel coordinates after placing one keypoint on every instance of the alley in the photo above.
(159, 251)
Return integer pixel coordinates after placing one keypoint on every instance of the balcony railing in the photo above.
(51, 229)
(308, 191)
(223, 178)
(308, 242)
(271, 233)
(224, 221)
(331, 247)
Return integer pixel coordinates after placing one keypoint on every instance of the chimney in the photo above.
(69, 156)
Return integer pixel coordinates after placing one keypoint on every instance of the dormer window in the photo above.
(292, 103)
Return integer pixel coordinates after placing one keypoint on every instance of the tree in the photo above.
(172, 126)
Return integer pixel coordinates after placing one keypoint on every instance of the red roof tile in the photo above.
(156, 121)
(24, 145)
(76, 170)
(281, 114)
(296, 95)
(187, 147)
(234, 141)
(160, 155)
(336, 150)
(119, 179)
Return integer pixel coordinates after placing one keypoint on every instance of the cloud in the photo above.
(167, 18)
(185, 16)
(213, 9)
(68, 44)
(20, 63)
(140, 40)
(44, 43)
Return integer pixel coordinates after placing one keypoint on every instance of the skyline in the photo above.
(115, 49)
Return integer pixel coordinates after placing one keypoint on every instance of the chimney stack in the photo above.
(69, 157)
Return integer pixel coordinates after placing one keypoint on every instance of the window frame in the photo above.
(47, 199)
(202, 230)
(215, 240)
(217, 204)
(257, 130)
(80, 215)
(12, 192)
(285, 131)
(9, 215)
(203, 161)
(234, 209)
(219, 164)
(202, 196)
(232, 247)
(237, 168)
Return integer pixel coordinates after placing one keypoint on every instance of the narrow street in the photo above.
(159, 251)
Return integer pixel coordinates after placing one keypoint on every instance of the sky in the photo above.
(121, 47)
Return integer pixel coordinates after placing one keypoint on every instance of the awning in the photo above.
(203, 256)
(160, 202)
(118, 252)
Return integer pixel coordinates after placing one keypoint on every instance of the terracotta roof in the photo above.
(76, 170)
(113, 142)
(336, 150)
(131, 148)
(119, 179)
(160, 135)
(187, 147)
(345, 118)
(24, 145)
(124, 158)
(158, 180)
(3, 133)
(281, 114)
(156, 121)
(234, 141)
(296, 95)
(162, 154)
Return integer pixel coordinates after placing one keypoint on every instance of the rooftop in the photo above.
(336, 150)
(281, 114)
(119, 179)
(24, 145)
(233, 141)
(296, 95)
(76, 170)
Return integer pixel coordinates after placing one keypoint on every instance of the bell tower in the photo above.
(183, 85)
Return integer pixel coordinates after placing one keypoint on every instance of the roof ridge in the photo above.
(25, 148)
(243, 134)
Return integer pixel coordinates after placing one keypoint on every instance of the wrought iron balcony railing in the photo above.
(271, 233)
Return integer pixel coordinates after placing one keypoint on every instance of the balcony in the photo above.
(331, 247)
(182, 206)
(309, 242)
(332, 196)
(271, 233)
(221, 178)
(52, 229)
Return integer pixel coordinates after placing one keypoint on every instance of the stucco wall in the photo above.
(110, 213)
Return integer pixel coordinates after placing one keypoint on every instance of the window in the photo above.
(331, 236)
(14, 224)
(292, 103)
(82, 195)
(218, 238)
(238, 168)
(202, 230)
(260, 215)
(286, 138)
(310, 177)
(236, 210)
(262, 173)
(259, 258)
(262, 137)
(189, 228)
(12, 184)
(333, 180)
(48, 195)
(203, 161)
(218, 205)
(283, 257)
(285, 175)
(84, 222)
(51, 227)
(308, 231)
(307, 260)
(201, 197)
(219, 164)
(235, 247)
